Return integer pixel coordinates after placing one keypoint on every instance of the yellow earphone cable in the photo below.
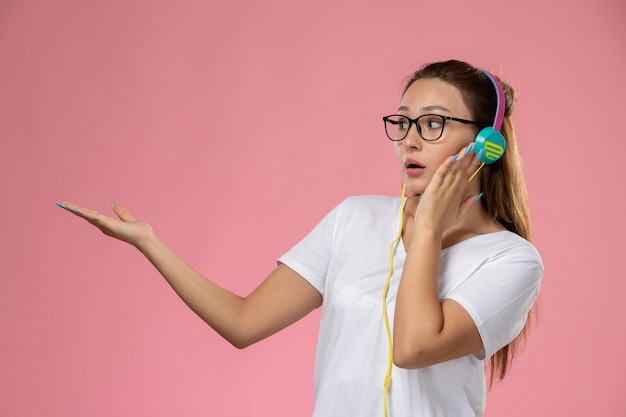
(385, 290)
(476, 172)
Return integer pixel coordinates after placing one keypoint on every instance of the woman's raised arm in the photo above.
(281, 299)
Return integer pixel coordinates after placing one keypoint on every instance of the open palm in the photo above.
(125, 228)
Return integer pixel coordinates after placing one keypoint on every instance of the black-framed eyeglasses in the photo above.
(429, 126)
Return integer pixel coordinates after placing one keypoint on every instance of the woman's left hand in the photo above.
(446, 200)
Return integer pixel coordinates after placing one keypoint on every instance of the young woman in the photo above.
(452, 264)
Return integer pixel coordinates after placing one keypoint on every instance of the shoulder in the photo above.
(366, 212)
(508, 247)
(512, 242)
(498, 246)
(503, 239)
(364, 203)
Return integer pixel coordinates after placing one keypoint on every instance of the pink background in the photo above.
(233, 127)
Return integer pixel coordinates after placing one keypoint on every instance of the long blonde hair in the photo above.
(502, 183)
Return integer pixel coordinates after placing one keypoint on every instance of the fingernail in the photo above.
(63, 206)
(469, 149)
(112, 205)
(454, 157)
(478, 197)
(75, 211)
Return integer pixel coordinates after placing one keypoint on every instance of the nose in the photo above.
(413, 139)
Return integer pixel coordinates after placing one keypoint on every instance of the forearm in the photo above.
(281, 299)
(418, 320)
(219, 308)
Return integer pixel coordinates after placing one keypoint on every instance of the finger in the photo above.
(457, 166)
(64, 206)
(122, 213)
(97, 219)
(440, 175)
(90, 215)
(465, 163)
(459, 162)
(467, 156)
(72, 208)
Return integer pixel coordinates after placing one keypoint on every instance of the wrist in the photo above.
(426, 239)
(147, 241)
(428, 230)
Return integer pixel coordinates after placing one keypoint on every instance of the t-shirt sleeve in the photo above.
(311, 256)
(500, 294)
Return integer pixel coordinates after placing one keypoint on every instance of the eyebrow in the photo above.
(427, 108)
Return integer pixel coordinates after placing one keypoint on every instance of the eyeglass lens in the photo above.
(429, 126)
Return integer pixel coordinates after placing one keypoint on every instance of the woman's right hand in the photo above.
(125, 228)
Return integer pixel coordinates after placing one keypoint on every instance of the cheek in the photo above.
(452, 148)
(398, 152)
(443, 157)
(436, 154)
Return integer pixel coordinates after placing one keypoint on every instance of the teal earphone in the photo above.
(489, 144)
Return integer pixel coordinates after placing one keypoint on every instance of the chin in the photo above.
(414, 186)
(413, 191)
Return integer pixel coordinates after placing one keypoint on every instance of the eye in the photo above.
(403, 123)
(431, 122)
(434, 123)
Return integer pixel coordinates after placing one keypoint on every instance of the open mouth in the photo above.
(413, 164)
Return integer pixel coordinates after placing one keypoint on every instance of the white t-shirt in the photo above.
(495, 277)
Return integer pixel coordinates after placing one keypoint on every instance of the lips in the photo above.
(413, 167)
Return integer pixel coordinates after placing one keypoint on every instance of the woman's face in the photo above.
(419, 159)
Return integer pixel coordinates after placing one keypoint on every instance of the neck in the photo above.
(475, 222)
